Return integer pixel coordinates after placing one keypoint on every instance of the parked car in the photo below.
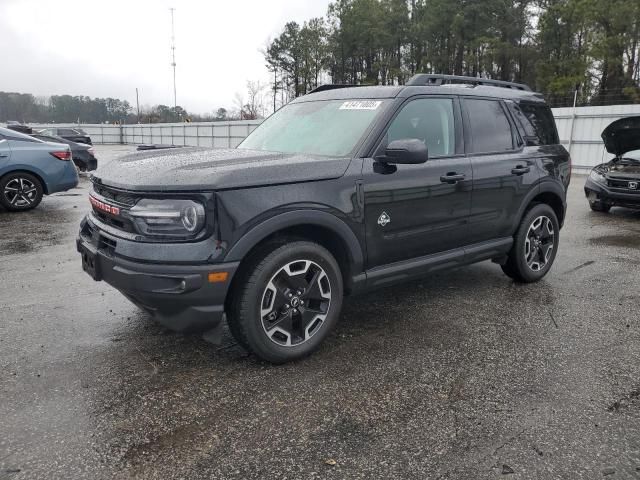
(19, 127)
(341, 191)
(83, 154)
(617, 182)
(74, 134)
(31, 168)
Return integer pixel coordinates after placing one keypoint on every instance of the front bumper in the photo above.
(597, 192)
(180, 297)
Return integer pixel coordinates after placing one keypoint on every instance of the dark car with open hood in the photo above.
(343, 190)
(617, 182)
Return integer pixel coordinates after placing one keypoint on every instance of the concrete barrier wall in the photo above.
(579, 131)
(206, 134)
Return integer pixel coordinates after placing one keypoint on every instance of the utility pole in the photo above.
(137, 105)
(173, 59)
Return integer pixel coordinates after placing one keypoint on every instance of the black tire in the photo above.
(600, 207)
(28, 195)
(525, 262)
(255, 293)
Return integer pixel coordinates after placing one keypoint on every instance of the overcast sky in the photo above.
(106, 48)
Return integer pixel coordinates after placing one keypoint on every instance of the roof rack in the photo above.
(332, 86)
(429, 79)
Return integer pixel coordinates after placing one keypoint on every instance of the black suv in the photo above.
(342, 190)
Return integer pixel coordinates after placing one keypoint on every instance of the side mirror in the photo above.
(406, 150)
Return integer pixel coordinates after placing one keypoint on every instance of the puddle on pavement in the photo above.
(627, 241)
(18, 246)
(47, 225)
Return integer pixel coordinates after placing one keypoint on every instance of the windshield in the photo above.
(632, 155)
(331, 128)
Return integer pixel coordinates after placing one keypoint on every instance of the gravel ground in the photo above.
(464, 375)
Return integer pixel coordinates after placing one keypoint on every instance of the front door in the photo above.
(5, 151)
(417, 210)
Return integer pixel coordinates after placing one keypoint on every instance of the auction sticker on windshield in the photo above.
(360, 105)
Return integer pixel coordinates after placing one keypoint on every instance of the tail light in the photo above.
(62, 155)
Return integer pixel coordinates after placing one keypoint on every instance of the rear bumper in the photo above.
(601, 193)
(178, 296)
(67, 180)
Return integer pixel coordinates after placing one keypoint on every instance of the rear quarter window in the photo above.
(537, 122)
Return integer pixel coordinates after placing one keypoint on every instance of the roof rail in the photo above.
(332, 86)
(429, 79)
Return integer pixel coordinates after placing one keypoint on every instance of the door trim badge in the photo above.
(384, 219)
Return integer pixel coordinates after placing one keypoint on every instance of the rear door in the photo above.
(415, 210)
(503, 171)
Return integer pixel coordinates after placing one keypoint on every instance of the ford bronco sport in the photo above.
(341, 191)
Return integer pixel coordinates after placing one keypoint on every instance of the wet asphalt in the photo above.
(464, 375)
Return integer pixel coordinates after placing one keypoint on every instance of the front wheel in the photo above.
(535, 245)
(286, 301)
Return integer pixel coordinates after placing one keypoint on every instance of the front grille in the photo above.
(621, 184)
(117, 196)
(120, 223)
(114, 197)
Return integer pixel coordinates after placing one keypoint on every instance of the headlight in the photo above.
(168, 218)
(597, 177)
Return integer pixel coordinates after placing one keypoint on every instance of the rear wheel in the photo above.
(535, 245)
(600, 207)
(286, 301)
(20, 191)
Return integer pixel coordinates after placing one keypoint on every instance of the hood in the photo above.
(193, 168)
(622, 136)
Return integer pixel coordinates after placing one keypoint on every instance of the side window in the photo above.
(430, 120)
(539, 120)
(490, 128)
(66, 131)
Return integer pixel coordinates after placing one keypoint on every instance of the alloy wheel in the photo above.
(539, 243)
(20, 192)
(295, 303)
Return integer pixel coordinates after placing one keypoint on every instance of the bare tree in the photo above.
(255, 103)
(253, 107)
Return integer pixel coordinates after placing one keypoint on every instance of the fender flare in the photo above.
(296, 218)
(542, 187)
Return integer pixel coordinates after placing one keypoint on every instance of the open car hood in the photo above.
(622, 136)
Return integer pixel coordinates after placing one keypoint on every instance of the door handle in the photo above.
(452, 177)
(520, 170)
